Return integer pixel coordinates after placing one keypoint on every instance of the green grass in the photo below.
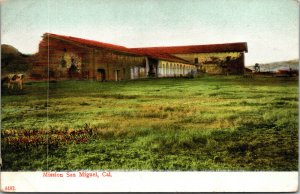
(206, 123)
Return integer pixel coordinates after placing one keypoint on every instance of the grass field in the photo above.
(206, 123)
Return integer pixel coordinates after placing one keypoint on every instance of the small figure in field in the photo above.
(13, 79)
(257, 67)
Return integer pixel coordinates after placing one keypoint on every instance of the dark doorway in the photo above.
(117, 75)
(100, 75)
(153, 67)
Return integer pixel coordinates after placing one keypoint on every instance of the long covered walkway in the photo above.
(169, 69)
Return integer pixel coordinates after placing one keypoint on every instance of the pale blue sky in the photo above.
(270, 27)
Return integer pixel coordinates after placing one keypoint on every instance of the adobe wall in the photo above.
(92, 63)
(217, 63)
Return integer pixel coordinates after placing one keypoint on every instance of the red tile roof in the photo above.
(97, 44)
(162, 56)
(158, 52)
(211, 48)
(167, 57)
(91, 43)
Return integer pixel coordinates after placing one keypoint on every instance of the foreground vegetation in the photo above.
(206, 123)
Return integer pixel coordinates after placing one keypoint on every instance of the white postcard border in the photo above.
(146, 181)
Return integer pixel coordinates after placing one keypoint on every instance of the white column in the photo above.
(173, 65)
(131, 73)
(161, 69)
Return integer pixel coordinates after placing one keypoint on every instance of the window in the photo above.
(196, 60)
(63, 62)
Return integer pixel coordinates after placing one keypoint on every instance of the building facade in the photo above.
(65, 57)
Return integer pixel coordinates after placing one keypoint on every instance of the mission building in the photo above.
(65, 57)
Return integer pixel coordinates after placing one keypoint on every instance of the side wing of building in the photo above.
(226, 58)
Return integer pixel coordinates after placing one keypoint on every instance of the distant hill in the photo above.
(8, 49)
(13, 60)
(274, 66)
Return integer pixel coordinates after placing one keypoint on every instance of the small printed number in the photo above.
(10, 188)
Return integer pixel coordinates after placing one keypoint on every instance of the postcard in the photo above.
(149, 96)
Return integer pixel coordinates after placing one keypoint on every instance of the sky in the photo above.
(270, 27)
